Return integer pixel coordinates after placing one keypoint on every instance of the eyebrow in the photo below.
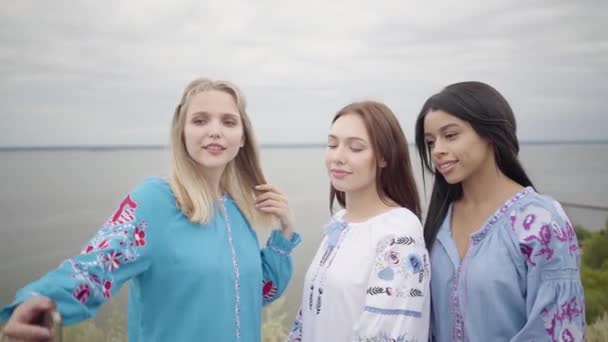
(331, 136)
(443, 129)
(220, 114)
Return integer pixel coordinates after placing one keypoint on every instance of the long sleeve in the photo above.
(295, 335)
(397, 302)
(555, 299)
(117, 253)
(277, 264)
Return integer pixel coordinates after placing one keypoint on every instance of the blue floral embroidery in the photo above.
(384, 337)
(386, 274)
(415, 263)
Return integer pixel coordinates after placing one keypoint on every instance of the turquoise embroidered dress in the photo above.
(187, 281)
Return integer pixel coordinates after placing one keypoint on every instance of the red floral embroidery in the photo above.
(107, 287)
(140, 236)
(121, 237)
(112, 260)
(95, 279)
(103, 244)
(125, 213)
(82, 293)
(268, 289)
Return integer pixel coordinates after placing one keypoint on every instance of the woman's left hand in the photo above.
(273, 201)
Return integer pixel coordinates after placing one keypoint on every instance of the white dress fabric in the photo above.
(369, 281)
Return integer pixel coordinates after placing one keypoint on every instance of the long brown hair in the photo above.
(395, 179)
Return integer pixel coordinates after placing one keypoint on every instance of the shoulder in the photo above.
(399, 220)
(399, 224)
(536, 211)
(543, 229)
(152, 193)
(153, 185)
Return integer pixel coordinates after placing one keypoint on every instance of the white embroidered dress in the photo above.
(369, 281)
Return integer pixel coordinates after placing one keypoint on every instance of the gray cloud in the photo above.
(110, 72)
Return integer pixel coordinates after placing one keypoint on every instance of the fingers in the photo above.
(24, 323)
(270, 195)
(26, 332)
(269, 191)
(268, 187)
(31, 310)
(272, 203)
(273, 210)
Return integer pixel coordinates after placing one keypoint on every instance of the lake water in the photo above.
(53, 201)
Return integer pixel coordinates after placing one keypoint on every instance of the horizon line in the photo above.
(263, 145)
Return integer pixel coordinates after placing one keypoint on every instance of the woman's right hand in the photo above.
(25, 323)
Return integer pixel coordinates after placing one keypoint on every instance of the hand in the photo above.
(273, 201)
(24, 324)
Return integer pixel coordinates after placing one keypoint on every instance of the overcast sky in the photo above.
(111, 72)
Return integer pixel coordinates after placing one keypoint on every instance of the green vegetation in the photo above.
(594, 273)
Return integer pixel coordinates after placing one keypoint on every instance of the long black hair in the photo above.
(490, 115)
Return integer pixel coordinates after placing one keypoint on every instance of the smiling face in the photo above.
(349, 157)
(457, 151)
(213, 130)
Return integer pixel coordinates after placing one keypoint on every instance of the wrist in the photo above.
(287, 232)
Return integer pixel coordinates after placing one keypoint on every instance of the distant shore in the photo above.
(266, 145)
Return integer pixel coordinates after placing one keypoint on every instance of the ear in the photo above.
(382, 163)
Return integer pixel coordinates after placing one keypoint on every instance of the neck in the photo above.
(488, 186)
(364, 204)
(213, 178)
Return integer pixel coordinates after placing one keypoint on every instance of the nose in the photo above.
(338, 155)
(438, 148)
(214, 129)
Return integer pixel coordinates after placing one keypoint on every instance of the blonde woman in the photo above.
(187, 245)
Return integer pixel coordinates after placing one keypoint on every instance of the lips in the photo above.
(337, 173)
(446, 167)
(214, 147)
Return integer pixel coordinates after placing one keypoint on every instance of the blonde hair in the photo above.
(240, 175)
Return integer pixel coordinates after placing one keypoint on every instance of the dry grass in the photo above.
(110, 326)
(598, 331)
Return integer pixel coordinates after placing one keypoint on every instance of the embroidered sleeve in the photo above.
(295, 335)
(117, 253)
(397, 304)
(277, 265)
(555, 300)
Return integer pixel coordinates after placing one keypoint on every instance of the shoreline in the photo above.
(263, 145)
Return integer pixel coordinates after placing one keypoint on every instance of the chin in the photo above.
(340, 187)
(211, 166)
(453, 179)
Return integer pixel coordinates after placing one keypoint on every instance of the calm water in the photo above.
(53, 201)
